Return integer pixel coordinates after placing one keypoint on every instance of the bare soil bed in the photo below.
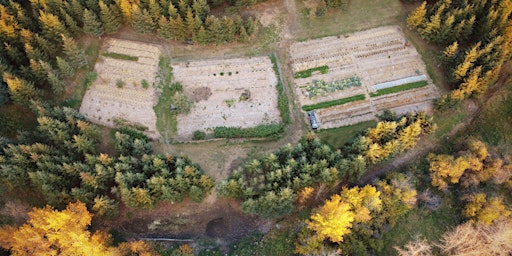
(374, 56)
(238, 92)
(117, 92)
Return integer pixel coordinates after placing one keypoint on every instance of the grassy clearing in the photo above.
(358, 15)
(83, 78)
(399, 88)
(425, 223)
(337, 137)
(120, 56)
(309, 72)
(494, 123)
(279, 243)
(446, 120)
(332, 103)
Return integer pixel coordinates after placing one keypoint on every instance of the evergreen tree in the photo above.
(243, 37)
(70, 23)
(74, 54)
(142, 21)
(178, 28)
(200, 8)
(164, 28)
(201, 36)
(111, 19)
(191, 25)
(92, 25)
(76, 10)
(52, 27)
(173, 12)
(417, 17)
(64, 67)
(21, 91)
(229, 30)
(155, 10)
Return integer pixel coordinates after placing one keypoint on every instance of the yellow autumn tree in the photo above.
(483, 210)
(52, 232)
(417, 17)
(334, 219)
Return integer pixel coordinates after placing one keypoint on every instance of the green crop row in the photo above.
(308, 72)
(120, 56)
(260, 131)
(399, 88)
(320, 87)
(331, 103)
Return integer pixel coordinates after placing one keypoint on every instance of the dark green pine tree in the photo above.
(92, 25)
(64, 67)
(173, 11)
(155, 10)
(242, 36)
(200, 8)
(143, 22)
(164, 28)
(53, 78)
(76, 10)
(71, 24)
(178, 28)
(110, 18)
(229, 29)
(52, 27)
(74, 54)
(201, 37)
(22, 91)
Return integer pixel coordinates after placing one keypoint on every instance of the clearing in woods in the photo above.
(123, 89)
(356, 65)
(237, 92)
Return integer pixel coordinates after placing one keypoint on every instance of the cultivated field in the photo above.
(239, 92)
(360, 63)
(118, 92)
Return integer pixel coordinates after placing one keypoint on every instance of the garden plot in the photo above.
(123, 88)
(238, 92)
(378, 58)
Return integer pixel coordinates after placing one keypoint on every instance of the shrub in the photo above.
(145, 84)
(199, 135)
(119, 83)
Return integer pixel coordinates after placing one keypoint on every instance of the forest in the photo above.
(412, 184)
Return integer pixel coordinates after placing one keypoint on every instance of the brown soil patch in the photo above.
(227, 80)
(199, 94)
(107, 100)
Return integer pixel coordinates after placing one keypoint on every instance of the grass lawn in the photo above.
(494, 123)
(447, 119)
(337, 137)
(84, 77)
(356, 16)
